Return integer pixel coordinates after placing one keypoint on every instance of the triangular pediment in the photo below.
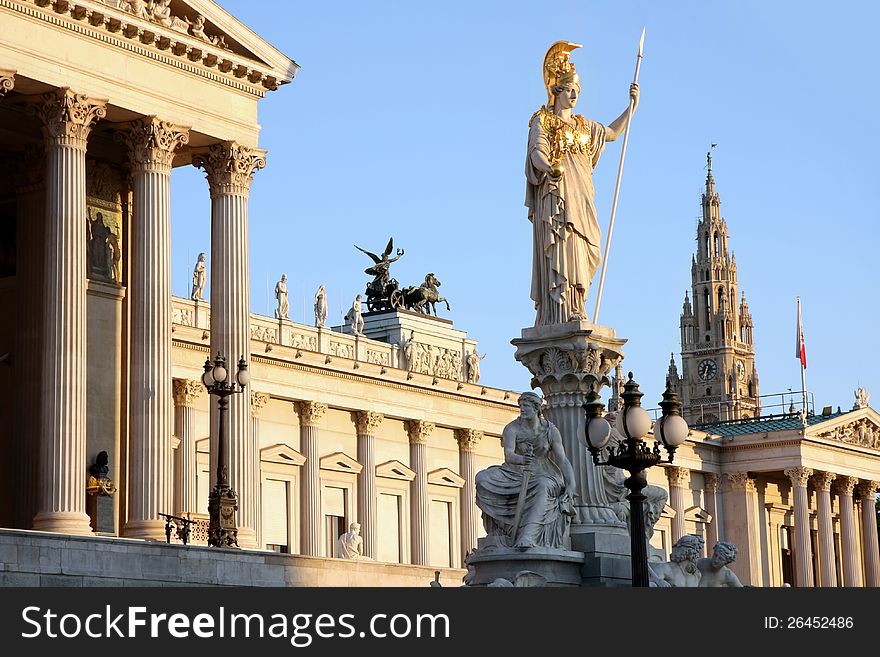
(697, 514)
(204, 445)
(859, 427)
(395, 470)
(282, 453)
(445, 477)
(340, 462)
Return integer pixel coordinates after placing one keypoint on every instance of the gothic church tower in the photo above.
(718, 379)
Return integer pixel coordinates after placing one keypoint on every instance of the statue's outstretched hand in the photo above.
(634, 94)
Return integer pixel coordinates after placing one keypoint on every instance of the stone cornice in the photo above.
(229, 167)
(799, 475)
(368, 422)
(151, 143)
(186, 391)
(418, 431)
(67, 116)
(468, 439)
(310, 413)
(157, 42)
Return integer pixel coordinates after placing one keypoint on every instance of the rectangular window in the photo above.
(440, 515)
(334, 504)
(389, 528)
(276, 515)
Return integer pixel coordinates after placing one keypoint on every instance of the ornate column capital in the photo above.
(258, 402)
(310, 413)
(151, 143)
(368, 422)
(186, 392)
(230, 167)
(710, 481)
(823, 480)
(740, 481)
(799, 476)
(468, 439)
(844, 485)
(67, 117)
(418, 431)
(678, 476)
(867, 490)
(7, 81)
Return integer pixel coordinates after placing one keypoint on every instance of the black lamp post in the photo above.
(223, 502)
(634, 455)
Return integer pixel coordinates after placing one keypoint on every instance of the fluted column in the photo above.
(151, 144)
(419, 505)
(258, 403)
(230, 168)
(67, 120)
(185, 465)
(827, 562)
(30, 189)
(848, 547)
(740, 525)
(468, 439)
(710, 494)
(867, 494)
(368, 424)
(678, 479)
(310, 414)
(803, 549)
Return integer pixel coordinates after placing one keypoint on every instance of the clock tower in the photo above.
(718, 377)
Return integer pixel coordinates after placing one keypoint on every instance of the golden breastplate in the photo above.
(562, 137)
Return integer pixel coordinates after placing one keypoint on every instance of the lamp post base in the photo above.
(222, 505)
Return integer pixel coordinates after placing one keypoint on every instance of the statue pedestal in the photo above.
(566, 361)
(557, 566)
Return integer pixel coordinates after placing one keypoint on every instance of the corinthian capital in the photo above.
(310, 413)
(710, 481)
(258, 402)
(845, 485)
(678, 476)
(67, 117)
(823, 480)
(867, 490)
(151, 143)
(186, 392)
(230, 167)
(7, 81)
(419, 431)
(368, 422)
(799, 476)
(740, 481)
(468, 439)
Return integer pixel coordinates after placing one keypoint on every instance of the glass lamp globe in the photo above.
(638, 422)
(672, 430)
(219, 373)
(598, 433)
(243, 376)
(208, 376)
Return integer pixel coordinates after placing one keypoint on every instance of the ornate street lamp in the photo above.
(223, 502)
(634, 455)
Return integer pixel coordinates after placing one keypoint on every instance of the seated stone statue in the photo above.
(714, 571)
(350, 544)
(681, 570)
(534, 463)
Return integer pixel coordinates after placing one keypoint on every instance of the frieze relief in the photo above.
(863, 433)
(301, 341)
(433, 361)
(182, 316)
(342, 350)
(378, 357)
(264, 334)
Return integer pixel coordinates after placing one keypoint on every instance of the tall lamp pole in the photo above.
(634, 455)
(223, 501)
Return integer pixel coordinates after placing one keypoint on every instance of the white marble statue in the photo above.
(681, 570)
(200, 277)
(563, 150)
(473, 366)
(409, 351)
(714, 571)
(283, 309)
(356, 316)
(320, 306)
(350, 544)
(535, 460)
(862, 397)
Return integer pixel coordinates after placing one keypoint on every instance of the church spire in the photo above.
(710, 181)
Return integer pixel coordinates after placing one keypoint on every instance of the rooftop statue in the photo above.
(382, 292)
(563, 149)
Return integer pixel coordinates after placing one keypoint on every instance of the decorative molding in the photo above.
(862, 432)
(710, 482)
(395, 470)
(230, 167)
(678, 476)
(282, 453)
(186, 391)
(368, 422)
(845, 484)
(67, 117)
(310, 413)
(340, 462)
(419, 431)
(152, 142)
(468, 439)
(799, 475)
(740, 481)
(866, 491)
(7, 81)
(587, 363)
(258, 402)
(697, 514)
(822, 480)
(446, 477)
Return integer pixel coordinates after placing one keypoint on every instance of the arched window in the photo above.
(706, 302)
(716, 243)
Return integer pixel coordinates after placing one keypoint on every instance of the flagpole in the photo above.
(801, 357)
(617, 185)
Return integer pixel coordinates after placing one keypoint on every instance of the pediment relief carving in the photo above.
(863, 432)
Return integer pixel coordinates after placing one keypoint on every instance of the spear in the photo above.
(617, 186)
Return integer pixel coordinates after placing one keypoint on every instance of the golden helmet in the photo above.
(558, 68)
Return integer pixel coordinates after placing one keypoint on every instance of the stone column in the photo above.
(678, 479)
(258, 402)
(185, 464)
(867, 494)
(151, 144)
(803, 553)
(419, 431)
(310, 414)
(848, 547)
(67, 120)
(468, 439)
(30, 189)
(740, 524)
(230, 168)
(368, 424)
(710, 494)
(827, 562)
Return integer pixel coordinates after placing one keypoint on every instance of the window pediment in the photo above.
(282, 453)
(395, 470)
(340, 462)
(445, 477)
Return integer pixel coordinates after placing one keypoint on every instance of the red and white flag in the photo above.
(801, 349)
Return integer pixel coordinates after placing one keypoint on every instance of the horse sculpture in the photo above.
(420, 298)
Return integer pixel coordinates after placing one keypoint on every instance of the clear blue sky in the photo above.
(410, 120)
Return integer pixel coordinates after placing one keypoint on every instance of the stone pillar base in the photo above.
(150, 530)
(63, 522)
(557, 566)
(607, 560)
